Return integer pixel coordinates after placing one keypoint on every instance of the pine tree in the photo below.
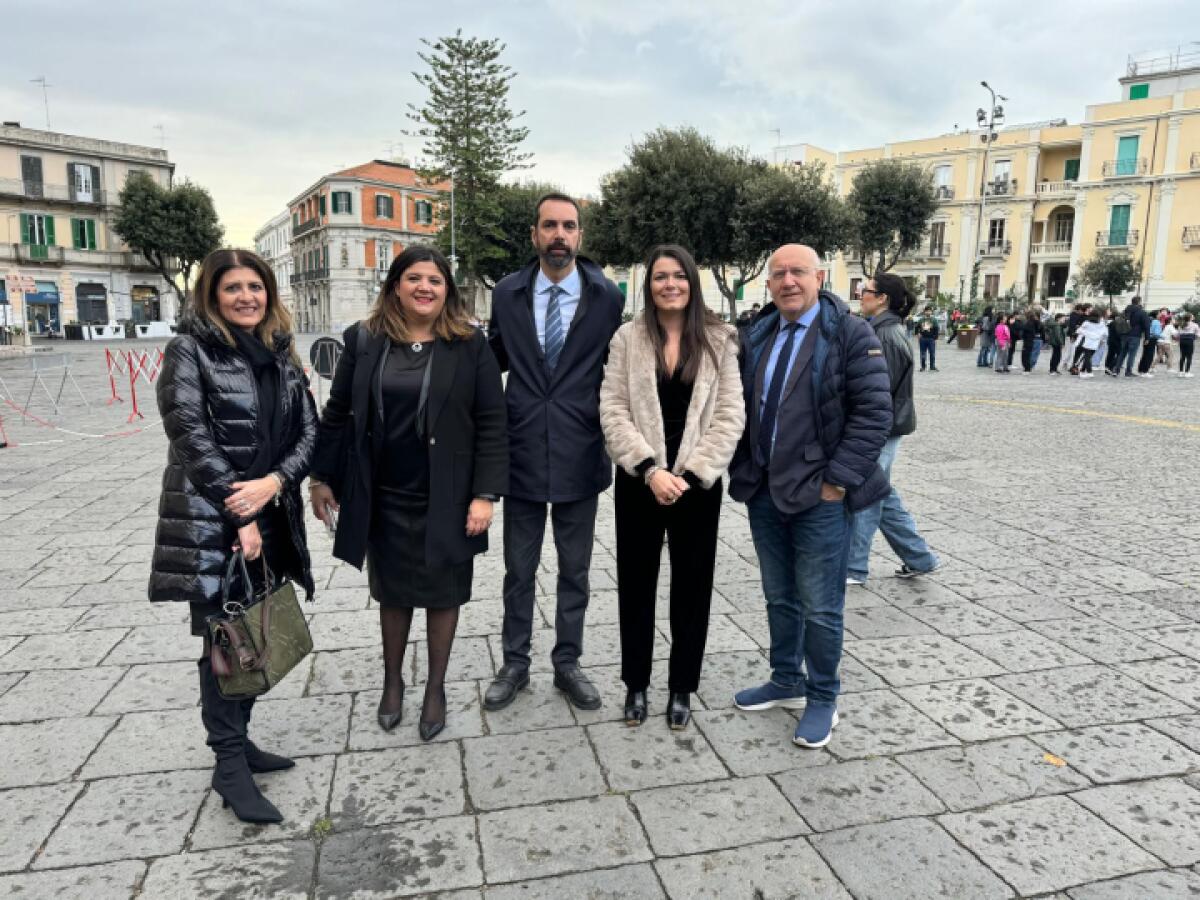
(470, 137)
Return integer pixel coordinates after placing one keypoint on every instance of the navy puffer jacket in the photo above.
(209, 406)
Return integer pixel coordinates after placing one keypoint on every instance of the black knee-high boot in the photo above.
(260, 760)
(226, 726)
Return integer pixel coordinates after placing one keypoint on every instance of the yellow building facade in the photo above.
(1052, 195)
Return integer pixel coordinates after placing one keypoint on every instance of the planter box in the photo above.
(967, 338)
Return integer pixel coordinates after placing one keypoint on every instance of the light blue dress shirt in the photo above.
(805, 321)
(568, 302)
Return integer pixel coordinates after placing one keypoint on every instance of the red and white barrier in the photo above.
(144, 366)
(116, 365)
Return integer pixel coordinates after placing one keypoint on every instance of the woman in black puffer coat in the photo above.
(242, 428)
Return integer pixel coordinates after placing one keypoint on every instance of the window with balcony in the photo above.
(322, 204)
(37, 230)
(424, 211)
(341, 202)
(943, 182)
(1127, 155)
(1118, 226)
(384, 206)
(996, 229)
(1064, 228)
(1071, 170)
(83, 234)
(383, 255)
(31, 175)
(933, 284)
(937, 238)
(991, 287)
(84, 181)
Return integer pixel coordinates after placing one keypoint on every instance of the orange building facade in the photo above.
(346, 230)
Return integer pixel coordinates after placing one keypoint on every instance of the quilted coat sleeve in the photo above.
(712, 455)
(625, 442)
(181, 402)
(867, 403)
(295, 464)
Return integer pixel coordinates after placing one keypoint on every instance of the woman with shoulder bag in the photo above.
(412, 454)
(241, 426)
(672, 412)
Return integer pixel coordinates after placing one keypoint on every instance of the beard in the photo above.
(557, 262)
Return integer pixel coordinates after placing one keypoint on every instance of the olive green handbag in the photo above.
(256, 640)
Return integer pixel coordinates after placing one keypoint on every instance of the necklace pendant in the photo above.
(417, 346)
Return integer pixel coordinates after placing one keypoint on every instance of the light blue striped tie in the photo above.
(554, 328)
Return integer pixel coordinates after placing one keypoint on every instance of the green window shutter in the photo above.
(1071, 170)
(623, 286)
(91, 233)
(1118, 227)
(76, 230)
(1139, 91)
(24, 228)
(50, 242)
(322, 204)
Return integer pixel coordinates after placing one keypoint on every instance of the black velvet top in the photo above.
(402, 462)
(674, 396)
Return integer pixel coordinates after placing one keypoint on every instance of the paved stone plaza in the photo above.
(1026, 723)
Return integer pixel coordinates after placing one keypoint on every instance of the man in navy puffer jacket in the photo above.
(818, 411)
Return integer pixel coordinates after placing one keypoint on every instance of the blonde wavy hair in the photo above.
(387, 315)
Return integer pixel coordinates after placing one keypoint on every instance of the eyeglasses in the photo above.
(867, 290)
(795, 272)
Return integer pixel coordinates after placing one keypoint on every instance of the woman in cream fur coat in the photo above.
(672, 412)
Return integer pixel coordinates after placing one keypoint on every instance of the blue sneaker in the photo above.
(769, 695)
(816, 726)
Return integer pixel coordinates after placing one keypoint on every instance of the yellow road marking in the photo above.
(1090, 413)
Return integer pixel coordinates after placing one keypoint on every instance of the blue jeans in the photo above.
(802, 559)
(1130, 348)
(1035, 352)
(897, 525)
(987, 344)
(929, 346)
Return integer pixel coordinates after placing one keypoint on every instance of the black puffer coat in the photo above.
(208, 402)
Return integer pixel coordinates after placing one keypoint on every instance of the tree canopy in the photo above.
(509, 242)
(1110, 272)
(889, 206)
(470, 137)
(173, 228)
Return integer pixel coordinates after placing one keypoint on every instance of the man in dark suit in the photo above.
(818, 411)
(550, 329)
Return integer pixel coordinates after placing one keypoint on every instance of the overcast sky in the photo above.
(258, 100)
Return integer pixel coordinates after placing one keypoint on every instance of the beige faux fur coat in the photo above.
(631, 415)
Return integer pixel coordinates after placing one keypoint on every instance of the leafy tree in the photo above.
(174, 228)
(728, 209)
(890, 205)
(509, 246)
(470, 137)
(1110, 273)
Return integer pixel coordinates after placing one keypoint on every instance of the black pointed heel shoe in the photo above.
(635, 708)
(389, 720)
(679, 711)
(431, 729)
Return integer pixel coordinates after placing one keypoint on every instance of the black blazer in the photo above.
(465, 431)
(555, 441)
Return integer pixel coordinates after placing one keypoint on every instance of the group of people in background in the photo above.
(1132, 342)
(802, 409)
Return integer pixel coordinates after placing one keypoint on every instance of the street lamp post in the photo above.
(995, 114)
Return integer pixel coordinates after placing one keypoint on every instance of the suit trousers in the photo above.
(574, 525)
(690, 526)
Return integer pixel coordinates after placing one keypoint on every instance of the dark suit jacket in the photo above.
(834, 430)
(556, 447)
(464, 431)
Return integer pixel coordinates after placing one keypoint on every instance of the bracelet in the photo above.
(314, 482)
(278, 485)
(650, 474)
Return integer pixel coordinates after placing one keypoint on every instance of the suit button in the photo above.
(432, 441)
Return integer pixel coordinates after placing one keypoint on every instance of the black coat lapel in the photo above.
(441, 379)
(370, 352)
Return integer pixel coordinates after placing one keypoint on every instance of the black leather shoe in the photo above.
(679, 711)
(635, 708)
(578, 689)
(389, 720)
(503, 689)
(431, 729)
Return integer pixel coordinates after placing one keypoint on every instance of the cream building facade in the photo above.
(273, 242)
(1053, 195)
(59, 258)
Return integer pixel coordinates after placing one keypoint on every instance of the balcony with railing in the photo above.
(1051, 249)
(39, 190)
(305, 227)
(1124, 168)
(1049, 190)
(1001, 187)
(944, 192)
(995, 248)
(310, 275)
(1117, 239)
(1191, 236)
(35, 254)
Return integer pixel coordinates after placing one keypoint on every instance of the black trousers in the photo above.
(1055, 357)
(1148, 350)
(690, 527)
(1112, 356)
(574, 526)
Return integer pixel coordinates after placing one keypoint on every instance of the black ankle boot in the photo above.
(635, 708)
(431, 728)
(225, 723)
(679, 711)
(258, 759)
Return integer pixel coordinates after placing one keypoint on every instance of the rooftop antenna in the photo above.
(41, 79)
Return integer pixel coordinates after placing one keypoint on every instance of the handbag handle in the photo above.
(237, 560)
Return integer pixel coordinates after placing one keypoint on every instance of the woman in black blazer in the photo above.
(412, 452)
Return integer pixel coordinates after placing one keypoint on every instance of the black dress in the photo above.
(396, 568)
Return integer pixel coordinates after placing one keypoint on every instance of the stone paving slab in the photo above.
(59, 693)
(789, 868)
(531, 767)
(859, 792)
(282, 870)
(48, 751)
(652, 756)
(1162, 885)
(1088, 695)
(382, 787)
(976, 710)
(1160, 816)
(115, 881)
(1047, 844)
(30, 814)
(1114, 753)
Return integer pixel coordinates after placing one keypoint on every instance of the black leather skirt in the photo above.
(396, 569)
